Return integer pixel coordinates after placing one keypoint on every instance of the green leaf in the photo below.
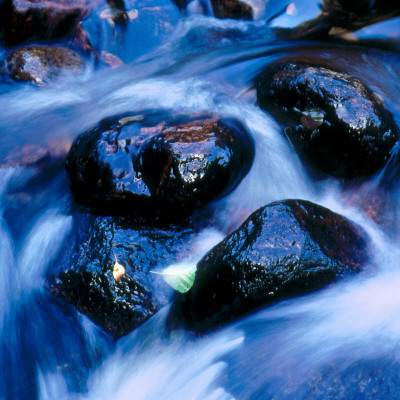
(180, 276)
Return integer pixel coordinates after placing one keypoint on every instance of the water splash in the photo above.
(41, 246)
(168, 369)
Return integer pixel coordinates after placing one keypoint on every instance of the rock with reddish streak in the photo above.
(157, 166)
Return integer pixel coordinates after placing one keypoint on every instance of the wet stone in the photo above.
(42, 64)
(338, 17)
(157, 166)
(120, 297)
(241, 9)
(284, 249)
(234, 9)
(332, 119)
(23, 20)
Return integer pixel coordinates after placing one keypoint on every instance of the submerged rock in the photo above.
(122, 23)
(109, 279)
(284, 249)
(33, 156)
(369, 378)
(375, 201)
(23, 20)
(337, 122)
(41, 64)
(158, 166)
(120, 15)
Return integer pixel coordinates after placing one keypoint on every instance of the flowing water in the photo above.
(325, 345)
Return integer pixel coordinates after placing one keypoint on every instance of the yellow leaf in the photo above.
(118, 270)
(128, 120)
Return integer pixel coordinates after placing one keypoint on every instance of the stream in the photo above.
(325, 345)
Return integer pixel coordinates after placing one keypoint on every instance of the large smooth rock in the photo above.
(23, 20)
(41, 64)
(332, 118)
(120, 299)
(284, 249)
(157, 166)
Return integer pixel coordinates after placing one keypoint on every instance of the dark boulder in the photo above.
(157, 166)
(284, 249)
(41, 64)
(235, 9)
(121, 297)
(332, 118)
(23, 20)
(338, 17)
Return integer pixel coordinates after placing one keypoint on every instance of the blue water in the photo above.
(295, 350)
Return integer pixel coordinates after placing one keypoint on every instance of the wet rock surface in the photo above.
(234, 9)
(120, 297)
(23, 20)
(284, 249)
(157, 167)
(340, 16)
(41, 64)
(336, 122)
